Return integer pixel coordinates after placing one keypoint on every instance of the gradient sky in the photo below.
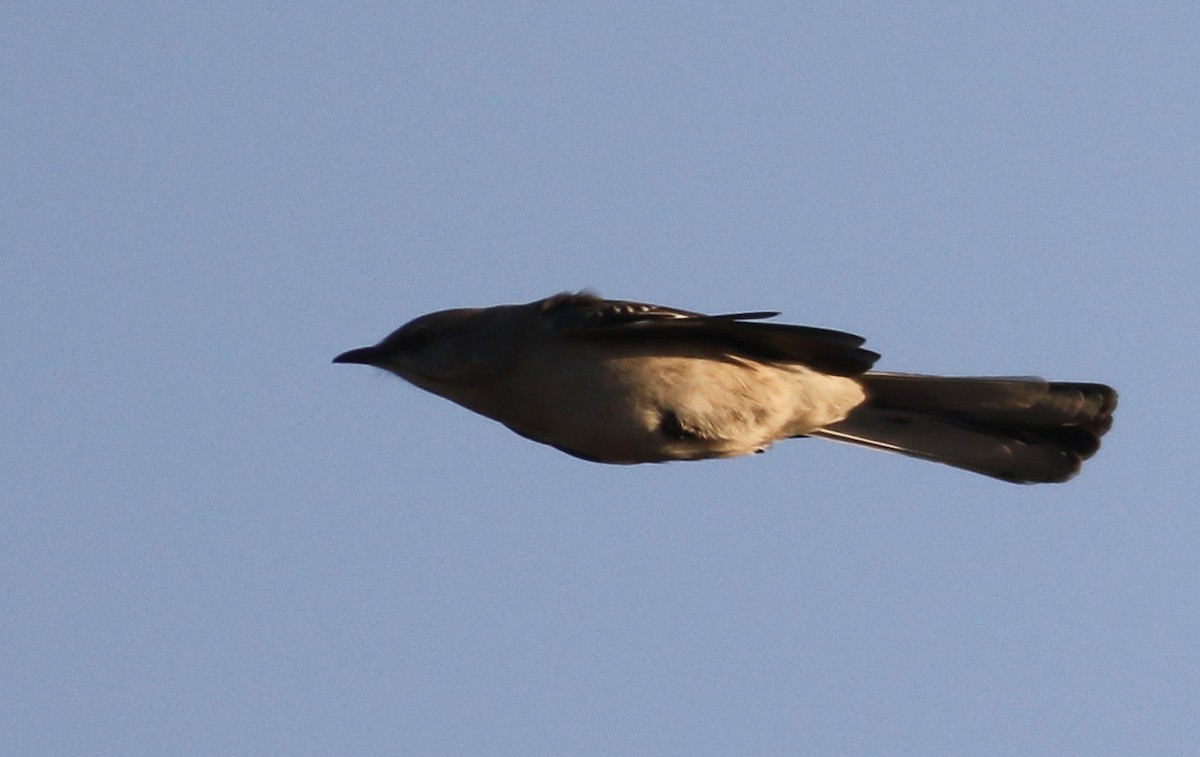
(215, 542)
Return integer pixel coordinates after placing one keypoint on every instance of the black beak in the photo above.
(361, 356)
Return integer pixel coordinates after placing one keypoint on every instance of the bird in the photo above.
(615, 381)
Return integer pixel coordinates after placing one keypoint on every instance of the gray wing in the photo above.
(589, 316)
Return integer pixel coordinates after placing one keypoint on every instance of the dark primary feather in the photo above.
(585, 315)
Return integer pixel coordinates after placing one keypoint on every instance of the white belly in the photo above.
(635, 408)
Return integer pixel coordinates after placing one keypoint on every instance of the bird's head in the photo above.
(438, 351)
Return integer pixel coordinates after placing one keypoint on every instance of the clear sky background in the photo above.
(213, 541)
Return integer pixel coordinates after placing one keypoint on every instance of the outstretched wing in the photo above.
(586, 315)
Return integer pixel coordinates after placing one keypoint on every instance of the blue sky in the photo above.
(215, 542)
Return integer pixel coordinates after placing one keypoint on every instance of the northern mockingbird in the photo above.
(626, 382)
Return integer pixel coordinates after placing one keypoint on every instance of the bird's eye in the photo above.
(419, 338)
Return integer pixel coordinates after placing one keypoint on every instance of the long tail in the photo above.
(1024, 430)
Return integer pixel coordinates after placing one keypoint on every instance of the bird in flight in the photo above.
(627, 382)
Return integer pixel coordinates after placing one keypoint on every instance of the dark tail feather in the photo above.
(1024, 430)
